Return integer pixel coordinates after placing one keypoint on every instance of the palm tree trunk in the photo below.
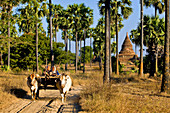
(100, 62)
(66, 44)
(80, 53)
(84, 51)
(110, 56)
(76, 53)
(36, 47)
(141, 45)
(55, 34)
(165, 79)
(90, 52)
(106, 77)
(70, 49)
(156, 55)
(78, 47)
(135, 52)
(117, 55)
(100, 59)
(8, 44)
(51, 43)
(1, 59)
(155, 10)
(156, 60)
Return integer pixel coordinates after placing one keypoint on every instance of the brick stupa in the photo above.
(126, 54)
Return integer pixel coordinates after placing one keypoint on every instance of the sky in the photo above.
(129, 24)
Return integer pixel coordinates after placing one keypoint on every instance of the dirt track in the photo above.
(49, 102)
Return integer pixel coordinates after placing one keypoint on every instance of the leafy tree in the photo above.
(61, 56)
(23, 51)
(35, 13)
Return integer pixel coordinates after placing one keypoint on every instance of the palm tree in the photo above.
(154, 30)
(84, 50)
(57, 9)
(106, 77)
(80, 39)
(158, 4)
(65, 25)
(70, 37)
(36, 12)
(165, 82)
(76, 14)
(90, 33)
(86, 21)
(126, 11)
(25, 20)
(141, 43)
(134, 38)
(99, 38)
(113, 47)
(8, 6)
(51, 43)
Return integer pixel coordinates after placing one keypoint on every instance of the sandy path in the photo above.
(49, 102)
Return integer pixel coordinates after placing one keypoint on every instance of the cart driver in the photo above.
(55, 71)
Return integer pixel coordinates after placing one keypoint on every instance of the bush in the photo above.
(17, 69)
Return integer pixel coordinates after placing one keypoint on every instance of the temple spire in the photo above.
(126, 52)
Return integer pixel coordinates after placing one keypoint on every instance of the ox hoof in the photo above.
(37, 98)
(33, 100)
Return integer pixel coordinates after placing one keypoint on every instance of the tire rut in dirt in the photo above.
(72, 108)
(24, 107)
(52, 106)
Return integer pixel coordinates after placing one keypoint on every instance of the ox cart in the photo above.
(48, 81)
(49, 77)
(53, 80)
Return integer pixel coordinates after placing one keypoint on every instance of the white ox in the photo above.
(63, 83)
(33, 82)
